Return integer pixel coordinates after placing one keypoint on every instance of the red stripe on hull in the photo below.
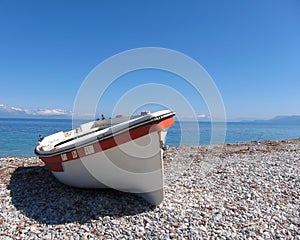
(54, 163)
(166, 123)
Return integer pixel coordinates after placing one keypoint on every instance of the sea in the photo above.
(19, 136)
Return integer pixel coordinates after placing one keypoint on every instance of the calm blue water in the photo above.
(19, 136)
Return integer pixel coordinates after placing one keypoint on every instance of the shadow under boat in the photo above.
(37, 193)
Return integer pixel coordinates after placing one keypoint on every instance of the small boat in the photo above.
(123, 153)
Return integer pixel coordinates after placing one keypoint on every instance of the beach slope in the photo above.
(232, 191)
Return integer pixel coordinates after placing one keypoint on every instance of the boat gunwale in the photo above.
(111, 134)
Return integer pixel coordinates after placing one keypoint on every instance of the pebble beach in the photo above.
(232, 191)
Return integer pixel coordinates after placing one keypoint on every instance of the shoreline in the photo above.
(237, 190)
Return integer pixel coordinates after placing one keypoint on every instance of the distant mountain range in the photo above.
(15, 112)
(282, 119)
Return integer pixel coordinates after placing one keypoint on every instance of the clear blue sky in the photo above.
(251, 49)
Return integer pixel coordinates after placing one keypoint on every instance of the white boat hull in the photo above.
(116, 168)
(130, 161)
